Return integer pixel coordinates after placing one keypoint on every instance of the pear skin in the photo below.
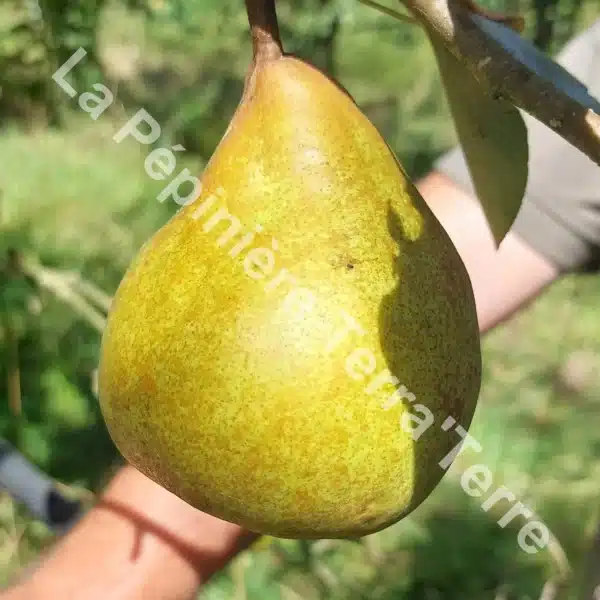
(283, 353)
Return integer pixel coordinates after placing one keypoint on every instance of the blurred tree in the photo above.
(37, 37)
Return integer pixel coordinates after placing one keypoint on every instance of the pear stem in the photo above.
(265, 30)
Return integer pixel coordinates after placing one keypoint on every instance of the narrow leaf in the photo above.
(493, 137)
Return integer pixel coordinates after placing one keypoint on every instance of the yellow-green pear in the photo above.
(294, 350)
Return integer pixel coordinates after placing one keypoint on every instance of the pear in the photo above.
(295, 349)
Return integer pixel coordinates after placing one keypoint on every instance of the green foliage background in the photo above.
(76, 203)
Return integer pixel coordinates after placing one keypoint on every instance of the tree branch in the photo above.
(60, 285)
(90, 291)
(504, 76)
(14, 371)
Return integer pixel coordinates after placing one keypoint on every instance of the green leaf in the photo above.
(493, 137)
(34, 444)
(64, 403)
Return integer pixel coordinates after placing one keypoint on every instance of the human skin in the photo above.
(142, 542)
